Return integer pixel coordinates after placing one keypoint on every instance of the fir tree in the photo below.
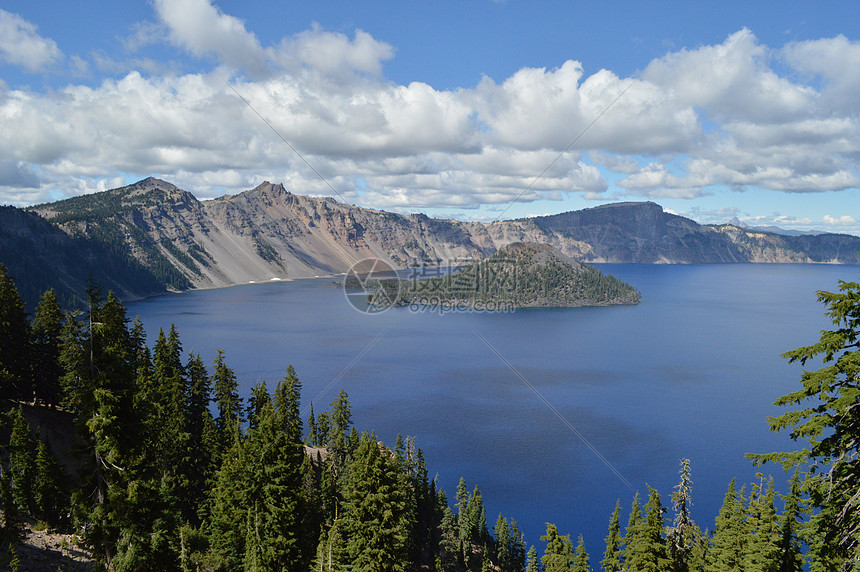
(276, 494)
(730, 535)
(532, 562)
(15, 380)
(791, 557)
(762, 551)
(580, 558)
(633, 531)
(686, 543)
(558, 555)
(47, 329)
(49, 496)
(230, 504)
(648, 553)
(828, 421)
(202, 452)
(227, 400)
(613, 558)
(313, 436)
(375, 516)
(259, 399)
(23, 449)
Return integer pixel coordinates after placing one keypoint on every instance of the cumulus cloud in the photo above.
(203, 29)
(717, 116)
(841, 220)
(21, 45)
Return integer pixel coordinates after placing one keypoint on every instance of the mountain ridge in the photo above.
(268, 233)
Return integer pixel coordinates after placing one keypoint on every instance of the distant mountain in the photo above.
(269, 233)
(521, 275)
(773, 229)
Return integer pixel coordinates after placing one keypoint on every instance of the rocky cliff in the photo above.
(269, 233)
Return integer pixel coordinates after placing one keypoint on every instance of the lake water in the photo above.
(508, 401)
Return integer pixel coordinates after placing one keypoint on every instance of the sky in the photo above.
(474, 110)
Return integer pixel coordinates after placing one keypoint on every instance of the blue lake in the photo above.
(550, 412)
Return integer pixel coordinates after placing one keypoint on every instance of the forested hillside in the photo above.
(177, 471)
(521, 275)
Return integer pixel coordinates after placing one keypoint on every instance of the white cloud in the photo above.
(840, 220)
(21, 45)
(715, 116)
(203, 29)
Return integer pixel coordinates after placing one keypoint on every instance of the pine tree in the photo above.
(633, 532)
(375, 516)
(227, 400)
(532, 562)
(649, 553)
(230, 505)
(23, 449)
(49, 496)
(47, 329)
(340, 429)
(730, 535)
(685, 539)
(762, 550)
(791, 557)
(613, 557)
(580, 559)
(449, 552)
(259, 399)
(287, 401)
(828, 421)
(15, 380)
(12, 528)
(313, 436)
(276, 495)
(558, 555)
(203, 444)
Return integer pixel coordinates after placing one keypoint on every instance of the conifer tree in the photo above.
(580, 558)
(227, 400)
(828, 421)
(449, 551)
(532, 562)
(633, 531)
(762, 549)
(375, 516)
(259, 399)
(649, 553)
(202, 451)
(287, 401)
(339, 432)
(12, 527)
(23, 449)
(685, 539)
(230, 505)
(730, 535)
(49, 496)
(503, 548)
(323, 424)
(47, 328)
(558, 554)
(313, 437)
(15, 380)
(613, 555)
(275, 492)
(791, 558)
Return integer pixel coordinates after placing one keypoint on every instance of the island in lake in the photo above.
(520, 275)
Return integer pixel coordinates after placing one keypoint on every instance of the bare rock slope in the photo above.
(269, 233)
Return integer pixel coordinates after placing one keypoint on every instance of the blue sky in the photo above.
(713, 110)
